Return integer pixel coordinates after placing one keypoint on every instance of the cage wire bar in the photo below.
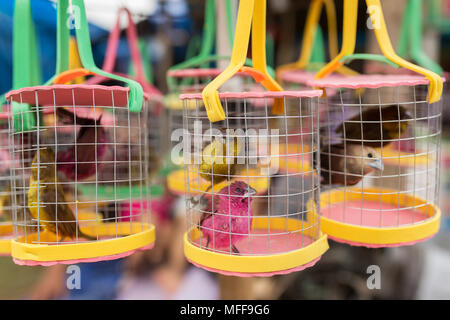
(6, 214)
(245, 216)
(81, 187)
(380, 160)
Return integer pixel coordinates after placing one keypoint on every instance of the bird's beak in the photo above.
(250, 192)
(377, 165)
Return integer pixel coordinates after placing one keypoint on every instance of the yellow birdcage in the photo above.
(245, 216)
(380, 146)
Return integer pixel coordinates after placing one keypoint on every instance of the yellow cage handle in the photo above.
(251, 16)
(379, 26)
(312, 21)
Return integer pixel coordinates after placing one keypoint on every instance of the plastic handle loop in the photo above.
(410, 44)
(312, 38)
(257, 75)
(26, 65)
(367, 56)
(251, 16)
(69, 75)
(436, 17)
(377, 19)
(81, 26)
(135, 52)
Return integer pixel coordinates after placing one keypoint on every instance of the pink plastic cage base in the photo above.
(75, 261)
(369, 81)
(258, 94)
(372, 214)
(69, 95)
(377, 246)
(351, 213)
(261, 243)
(258, 274)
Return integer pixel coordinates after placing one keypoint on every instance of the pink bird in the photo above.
(90, 136)
(231, 218)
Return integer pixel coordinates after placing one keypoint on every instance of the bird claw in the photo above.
(234, 249)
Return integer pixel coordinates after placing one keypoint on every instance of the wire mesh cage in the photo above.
(6, 224)
(379, 160)
(245, 216)
(81, 182)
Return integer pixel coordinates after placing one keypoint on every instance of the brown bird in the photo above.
(45, 192)
(378, 128)
(348, 165)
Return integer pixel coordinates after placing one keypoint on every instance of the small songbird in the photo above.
(228, 218)
(54, 213)
(379, 128)
(220, 159)
(91, 136)
(348, 165)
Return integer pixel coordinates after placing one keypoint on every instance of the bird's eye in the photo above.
(370, 155)
(239, 190)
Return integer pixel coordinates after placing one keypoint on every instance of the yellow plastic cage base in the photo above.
(259, 265)
(370, 236)
(135, 235)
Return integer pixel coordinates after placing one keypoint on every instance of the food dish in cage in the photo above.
(113, 153)
(268, 232)
(380, 149)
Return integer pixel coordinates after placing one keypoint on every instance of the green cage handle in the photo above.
(435, 17)
(410, 44)
(367, 56)
(25, 119)
(26, 64)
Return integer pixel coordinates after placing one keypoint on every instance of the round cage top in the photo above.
(369, 81)
(258, 94)
(76, 94)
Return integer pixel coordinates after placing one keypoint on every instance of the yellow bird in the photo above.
(220, 159)
(54, 214)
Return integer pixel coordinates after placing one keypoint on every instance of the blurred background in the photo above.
(166, 28)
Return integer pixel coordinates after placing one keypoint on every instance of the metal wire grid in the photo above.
(195, 84)
(116, 189)
(411, 160)
(287, 192)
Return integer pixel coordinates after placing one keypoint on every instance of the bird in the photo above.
(90, 138)
(228, 218)
(348, 164)
(219, 160)
(379, 125)
(54, 213)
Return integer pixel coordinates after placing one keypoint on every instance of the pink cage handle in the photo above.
(136, 58)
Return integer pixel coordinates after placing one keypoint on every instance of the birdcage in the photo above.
(75, 176)
(379, 160)
(245, 217)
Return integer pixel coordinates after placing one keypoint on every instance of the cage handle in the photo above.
(312, 38)
(26, 65)
(377, 19)
(69, 75)
(410, 44)
(251, 16)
